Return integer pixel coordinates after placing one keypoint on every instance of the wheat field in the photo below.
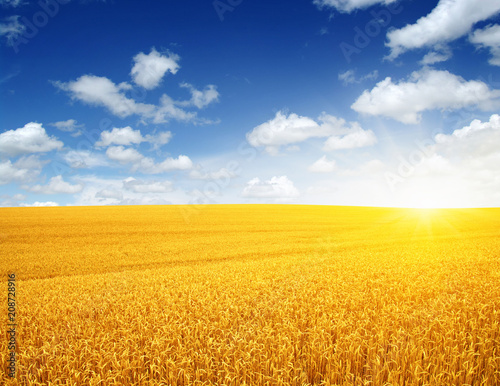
(253, 295)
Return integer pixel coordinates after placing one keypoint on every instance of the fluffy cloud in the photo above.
(356, 139)
(124, 136)
(450, 20)
(56, 185)
(31, 138)
(12, 29)
(69, 126)
(127, 136)
(123, 155)
(201, 98)
(276, 187)
(148, 70)
(460, 169)
(323, 165)
(479, 139)
(149, 166)
(139, 186)
(488, 37)
(349, 5)
(23, 170)
(425, 90)
(100, 91)
(285, 130)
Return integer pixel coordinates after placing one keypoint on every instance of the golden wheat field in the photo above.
(253, 295)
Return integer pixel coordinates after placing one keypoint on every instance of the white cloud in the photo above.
(425, 90)
(100, 91)
(276, 187)
(123, 155)
(68, 126)
(12, 29)
(149, 166)
(201, 98)
(127, 136)
(83, 159)
(488, 37)
(479, 139)
(40, 204)
(56, 185)
(23, 170)
(149, 70)
(323, 165)
(349, 5)
(356, 139)
(31, 138)
(285, 130)
(440, 54)
(139, 186)
(450, 20)
(349, 77)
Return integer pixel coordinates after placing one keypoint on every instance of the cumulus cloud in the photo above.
(425, 90)
(100, 91)
(149, 70)
(488, 38)
(148, 166)
(276, 187)
(69, 126)
(201, 98)
(56, 185)
(323, 165)
(286, 130)
(356, 139)
(31, 138)
(479, 139)
(127, 136)
(139, 186)
(124, 136)
(349, 5)
(450, 20)
(23, 170)
(123, 155)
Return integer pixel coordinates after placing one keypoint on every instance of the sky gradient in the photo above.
(335, 102)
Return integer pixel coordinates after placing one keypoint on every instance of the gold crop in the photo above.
(252, 295)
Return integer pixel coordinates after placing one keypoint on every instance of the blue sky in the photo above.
(338, 102)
